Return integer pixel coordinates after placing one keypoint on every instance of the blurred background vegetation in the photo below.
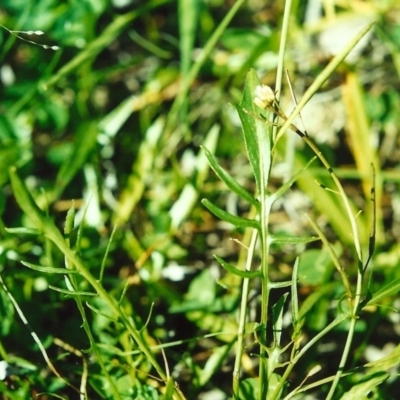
(113, 120)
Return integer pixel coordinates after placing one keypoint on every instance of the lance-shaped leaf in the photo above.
(240, 222)
(256, 133)
(284, 239)
(72, 293)
(49, 270)
(391, 289)
(243, 274)
(231, 183)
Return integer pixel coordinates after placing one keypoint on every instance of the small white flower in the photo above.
(264, 96)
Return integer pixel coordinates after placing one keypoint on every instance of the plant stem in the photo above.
(47, 226)
(242, 319)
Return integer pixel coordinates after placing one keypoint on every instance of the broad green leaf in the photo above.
(240, 222)
(231, 183)
(315, 266)
(257, 133)
(236, 271)
(249, 389)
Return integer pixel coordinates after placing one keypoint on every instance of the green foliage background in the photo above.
(112, 122)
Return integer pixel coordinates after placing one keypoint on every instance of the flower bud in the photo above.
(264, 96)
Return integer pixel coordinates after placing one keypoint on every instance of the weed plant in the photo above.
(119, 276)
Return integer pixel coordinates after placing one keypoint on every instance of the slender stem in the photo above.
(265, 211)
(283, 380)
(356, 240)
(243, 315)
(49, 229)
(174, 113)
(350, 336)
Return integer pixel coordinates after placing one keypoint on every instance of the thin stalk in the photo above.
(282, 49)
(283, 380)
(264, 215)
(243, 315)
(322, 77)
(278, 82)
(47, 226)
(350, 336)
(357, 245)
(274, 107)
(173, 115)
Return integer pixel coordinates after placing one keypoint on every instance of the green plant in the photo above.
(261, 140)
(109, 285)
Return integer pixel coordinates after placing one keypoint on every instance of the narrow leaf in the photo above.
(391, 289)
(240, 222)
(24, 231)
(365, 388)
(277, 317)
(291, 239)
(49, 270)
(72, 293)
(236, 271)
(231, 183)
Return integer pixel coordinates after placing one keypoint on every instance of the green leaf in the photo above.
(256, 133)
(236, 271)
(72, 293)
(294, 292)
(385, 363)
(231, 183)
(188, 12)
(170, 389)
(362, 390)
(240, 222)
(249, 389)
(314, 266)
(284, 239)
(49, 270)
(277, 319)
(391, 289)
(24, 231)
(69, 221)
